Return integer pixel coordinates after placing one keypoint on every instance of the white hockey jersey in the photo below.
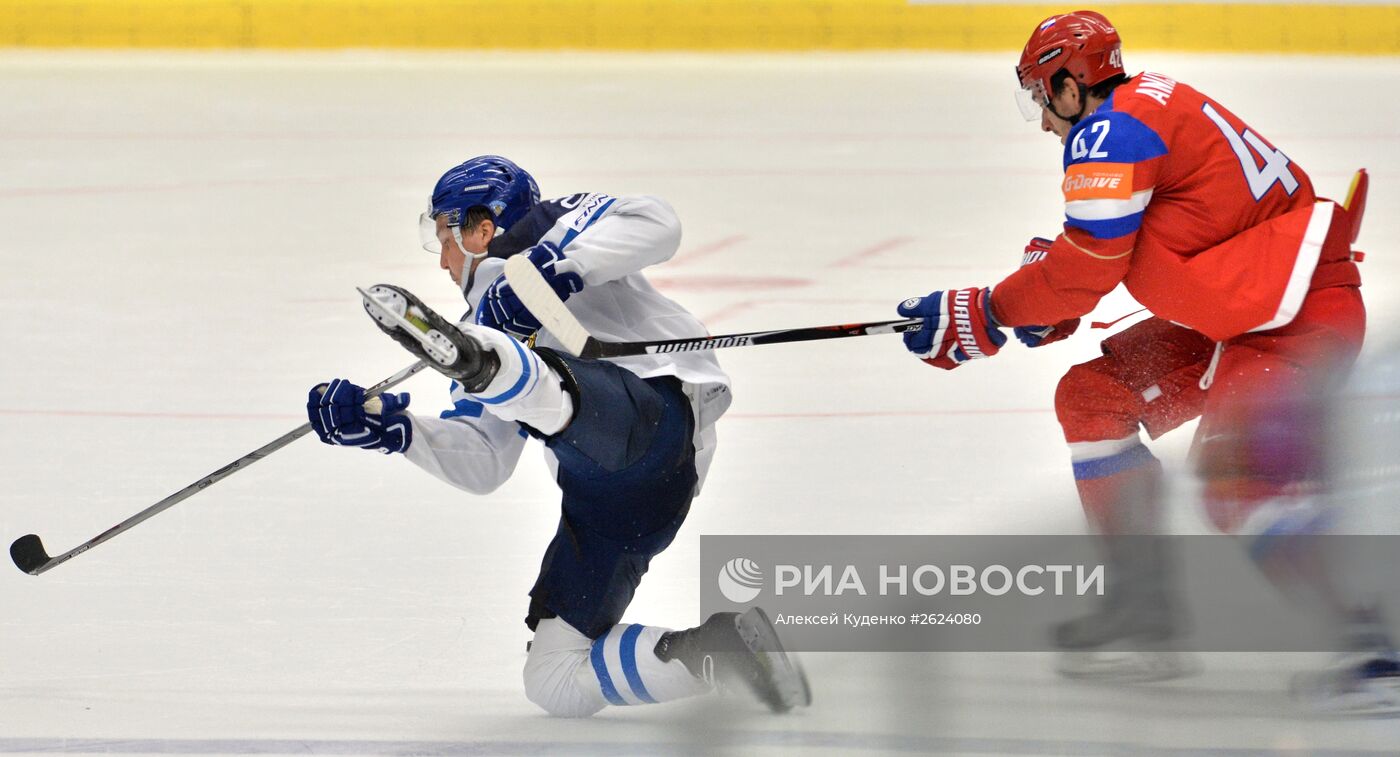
(611, 239)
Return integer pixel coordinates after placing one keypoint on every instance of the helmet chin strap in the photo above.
(472, 262)
(472, 259)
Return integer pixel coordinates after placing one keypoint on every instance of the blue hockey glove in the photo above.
(338, 416)
(500, 307)
(559, 272)
(958, 326)
(1039, 336)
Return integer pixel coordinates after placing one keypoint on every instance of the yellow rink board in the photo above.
(702, 25)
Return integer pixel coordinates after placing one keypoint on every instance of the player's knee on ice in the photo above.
(569, 675)
(558, 676)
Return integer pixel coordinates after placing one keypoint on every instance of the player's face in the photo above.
(459, 245)
(1066, 101)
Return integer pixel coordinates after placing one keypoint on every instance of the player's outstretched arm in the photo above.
(472, 450)
(469, 450)
(341, 417)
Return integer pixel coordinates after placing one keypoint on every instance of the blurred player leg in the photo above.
(1260, 446)
(1263, 452)
(1148, 377)
(1364, 485)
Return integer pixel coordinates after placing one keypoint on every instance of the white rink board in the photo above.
(182, 238)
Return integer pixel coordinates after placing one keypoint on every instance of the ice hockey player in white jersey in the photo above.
(629, 440)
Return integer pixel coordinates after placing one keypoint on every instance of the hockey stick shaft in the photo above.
(595, 348)
(545, 305)
(28, 551)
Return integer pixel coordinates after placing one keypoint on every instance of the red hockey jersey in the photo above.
(1204, 221)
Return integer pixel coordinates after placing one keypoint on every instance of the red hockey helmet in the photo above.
(1084, 43)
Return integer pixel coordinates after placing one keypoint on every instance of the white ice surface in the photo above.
(181, 237)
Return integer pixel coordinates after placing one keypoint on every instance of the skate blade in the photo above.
(792, 688)
(1127, 666)
(391, 313)
(1320, 695)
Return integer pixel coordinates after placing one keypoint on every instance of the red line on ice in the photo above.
(705, 250)
(879, 248)
(888, 413)
(147, 414)
(288, 418)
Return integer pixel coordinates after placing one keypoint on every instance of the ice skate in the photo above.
(1356, 684)
(1125, 663)
(1138, 621)
(435, 340)
(744, 649)
(1363, 680)
(1133, 637)
(1122, 645)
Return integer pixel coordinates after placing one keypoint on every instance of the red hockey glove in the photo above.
(957, 327)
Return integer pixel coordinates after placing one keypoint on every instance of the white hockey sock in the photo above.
(627, 670)
(525, 389)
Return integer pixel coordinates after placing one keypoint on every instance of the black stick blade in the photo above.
(28, 554)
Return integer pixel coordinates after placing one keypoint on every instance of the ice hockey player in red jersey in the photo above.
(1255, 295)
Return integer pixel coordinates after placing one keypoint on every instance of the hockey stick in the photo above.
(545, 305)
(28, 551)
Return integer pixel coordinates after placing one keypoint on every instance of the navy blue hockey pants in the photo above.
(627, 471)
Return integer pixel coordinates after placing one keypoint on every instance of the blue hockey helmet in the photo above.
(487, 181)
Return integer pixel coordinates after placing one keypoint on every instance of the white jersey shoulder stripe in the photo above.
(1107, 210)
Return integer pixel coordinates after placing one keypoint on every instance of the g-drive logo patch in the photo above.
(740, 580)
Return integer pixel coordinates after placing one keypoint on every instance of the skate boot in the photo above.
(429, 336)
(1123, 644)
(731, 649)
(512, 383)
(1364, 680)
(1142, 619)
(1133, 637)
(1355, 684)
